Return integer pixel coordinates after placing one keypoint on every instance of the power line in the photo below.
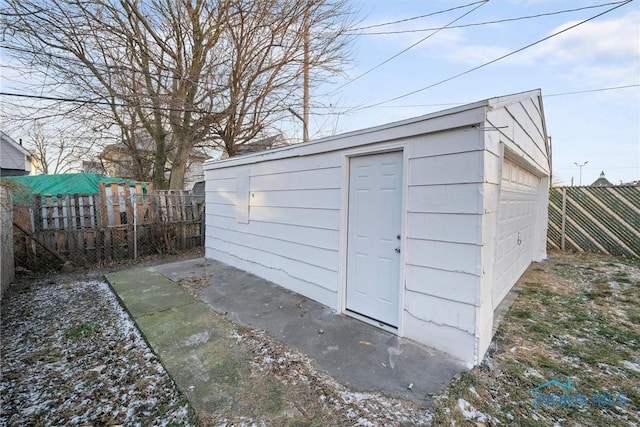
(494, 60)
(105, 67)
(93, 102)
(414, 17)
(320, 107)
(593, 90)
(53, 98)
(476, 24)
(76, 60)
(344, 110)
(120, 104)
(479, 4)
(453, 104)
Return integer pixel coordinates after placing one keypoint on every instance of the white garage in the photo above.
(419, 227)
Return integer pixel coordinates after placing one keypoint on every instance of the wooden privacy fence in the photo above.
(120, 222)
(595, 219)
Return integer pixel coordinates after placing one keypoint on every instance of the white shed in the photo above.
(420, 227)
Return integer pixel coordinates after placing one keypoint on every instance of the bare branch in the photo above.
(176, 73)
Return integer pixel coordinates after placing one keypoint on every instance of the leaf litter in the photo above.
(72, 355)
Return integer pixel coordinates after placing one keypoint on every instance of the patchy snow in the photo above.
(531, 372)
(195, 339)
(631, 365)
(471, 413)
(71, 355)
(474, 391)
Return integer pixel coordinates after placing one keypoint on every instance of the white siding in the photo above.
(516, 131)
(445, 284)
(12, 158)
(445, 338)
(292, 233)
(520, 126)
(444, 239)
(297, 206)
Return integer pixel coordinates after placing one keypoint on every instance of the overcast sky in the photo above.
(601, 127)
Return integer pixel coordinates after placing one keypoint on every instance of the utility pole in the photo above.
(580, 166)
(305, 76)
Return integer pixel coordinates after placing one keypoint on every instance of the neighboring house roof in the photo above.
(14, 158)
(66, 183)
(8, 140)
(602, 181)
(254, 146)
(145, 147)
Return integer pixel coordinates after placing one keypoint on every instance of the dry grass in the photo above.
(577, 317)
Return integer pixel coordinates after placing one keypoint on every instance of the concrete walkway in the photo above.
(182, 332)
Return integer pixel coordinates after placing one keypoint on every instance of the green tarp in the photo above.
(66, 183)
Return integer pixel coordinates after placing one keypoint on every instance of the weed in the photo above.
(520, 313)
(273, 399)
(84, 330)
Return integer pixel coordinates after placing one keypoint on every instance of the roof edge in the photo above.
(279, 152)
(15, 144)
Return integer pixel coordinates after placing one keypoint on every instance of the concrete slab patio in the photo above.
(182, 331)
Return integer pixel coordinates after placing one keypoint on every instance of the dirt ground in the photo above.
(70, 355)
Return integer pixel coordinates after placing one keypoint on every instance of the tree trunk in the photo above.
(178, 171)
(159, 163)
(184, 146)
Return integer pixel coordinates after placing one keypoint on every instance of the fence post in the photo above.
(564, 216)
(72, 212)
(131, 223)
(103, 222)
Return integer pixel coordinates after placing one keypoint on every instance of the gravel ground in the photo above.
(72, 356)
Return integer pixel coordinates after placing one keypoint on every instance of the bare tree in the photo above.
(59, 152)
(186, 72)
(268, 50)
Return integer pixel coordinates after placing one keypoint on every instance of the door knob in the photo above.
(398, 249)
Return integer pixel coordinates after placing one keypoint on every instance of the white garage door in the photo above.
(519, 199)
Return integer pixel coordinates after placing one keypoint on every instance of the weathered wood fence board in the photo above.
(117, 223)
(595, 219)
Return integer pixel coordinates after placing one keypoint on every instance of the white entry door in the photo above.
(373, 237)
